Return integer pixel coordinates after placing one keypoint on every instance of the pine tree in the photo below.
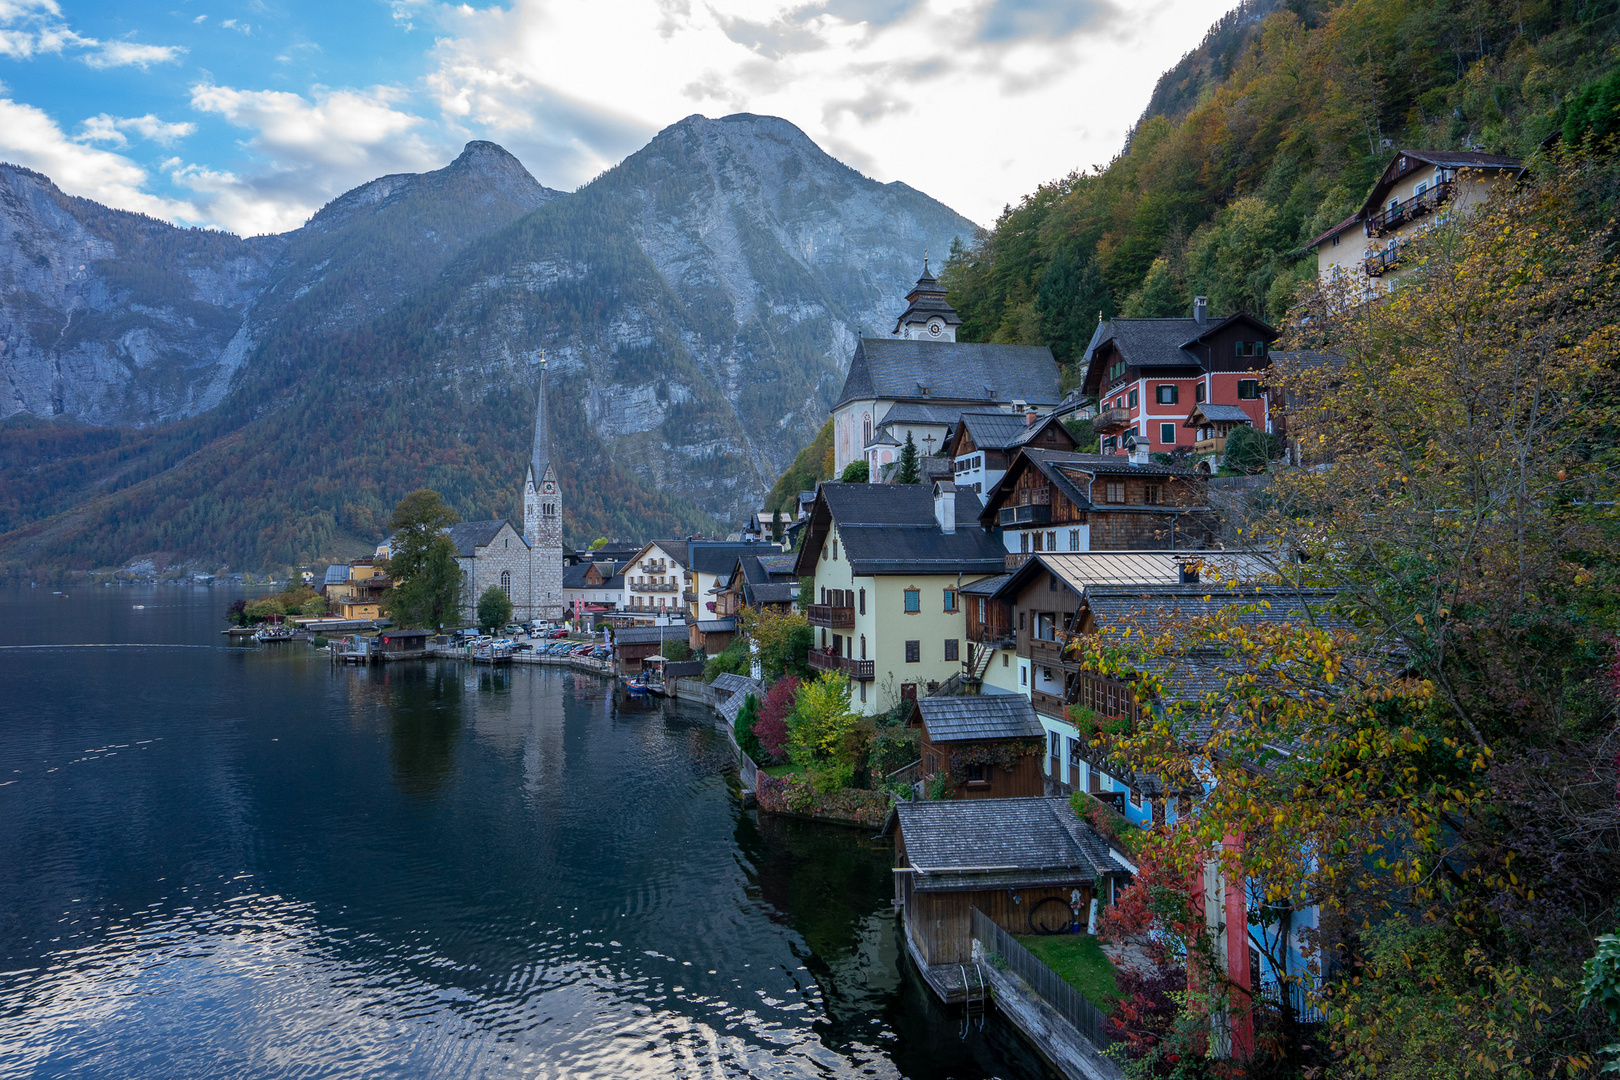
(908, 473)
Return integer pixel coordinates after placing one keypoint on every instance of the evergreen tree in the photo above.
(856, 472)
(747, 716)
(422, 562)
(1072, 292)
(1160, 296)
(908, 472)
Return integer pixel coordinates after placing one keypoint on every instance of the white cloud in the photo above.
(30, 28)
(30, 138)
(974, 101)
(113, 129)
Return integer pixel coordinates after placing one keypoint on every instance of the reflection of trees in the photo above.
(424, 720)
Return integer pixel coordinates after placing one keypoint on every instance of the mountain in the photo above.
(696, 305)
(1265, 135)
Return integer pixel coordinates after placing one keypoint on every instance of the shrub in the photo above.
(771, 728)
(747, 716)
(733, 661)
(856, 472)
(832, 777)
(1249, 450)
(319, 641)
(821, 722)
(891, 748)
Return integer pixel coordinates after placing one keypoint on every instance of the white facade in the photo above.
(653, 583)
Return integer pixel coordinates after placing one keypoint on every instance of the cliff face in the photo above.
(697, 304)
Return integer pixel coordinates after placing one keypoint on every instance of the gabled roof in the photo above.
(987, 587)
(719, 557)
(980, 717)
(1154, 607)
(648, 635)
(1334, 231)
(1444, 159)
(1005, 430)
(891, 529)
(977, 843)
(468, 536)
(911, 412)
(675, 549)
(1071, 473)
(1159, 343)
(337, 574)
(1217, 414)
(898, 369)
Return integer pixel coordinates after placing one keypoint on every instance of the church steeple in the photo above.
(540, 458)
(928, 316)
(542, 514)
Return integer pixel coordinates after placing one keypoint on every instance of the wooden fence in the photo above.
(1072, 1005)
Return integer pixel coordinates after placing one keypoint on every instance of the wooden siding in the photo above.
(1024, 779)
(942, 924)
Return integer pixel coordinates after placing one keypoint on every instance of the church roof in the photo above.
(927, 299)
(900, 369)
(468, 536)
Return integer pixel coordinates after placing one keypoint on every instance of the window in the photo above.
(1133, 399)
(866, 429)
(913, 652)
(506, 583)
(863, 693)
(835, 549)
(1074, 539)
(1165, 395)
(1198, 393)
(975, 773)
(1021, 615)
(913, 601)
(823, 633)
(1167, 433)
(863, 651)
(1023, 543)
(863, 601)
(950, 600)
(953, 647)
(824, 550)
(1004, 660)
(1038, 542)
(982, 603)
(1023, 676)
(1136, 798)
(1114, 491)
(1153, 494)
(1051, 541)
(1248, 389)
(838, 644)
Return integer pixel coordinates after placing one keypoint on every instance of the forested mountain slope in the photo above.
(696, 305)
(1213, 196)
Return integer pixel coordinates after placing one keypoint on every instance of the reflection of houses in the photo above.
(888, 564)
(592, 589)
(1031, 865)
(982, 444)
(985, 747)
(1051, 501)
(923, 365)
(1417, 189)
(1147, 374)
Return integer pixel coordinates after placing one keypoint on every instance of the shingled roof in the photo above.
(468, 536)
(980, 717)
(891, 529)
(899, 369)
(1155, 607)
(956, 844)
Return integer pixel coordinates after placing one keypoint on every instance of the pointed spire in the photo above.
(540, 461)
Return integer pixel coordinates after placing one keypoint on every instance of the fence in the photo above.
(1072, 1005)
(693, 690)
(1303, 995)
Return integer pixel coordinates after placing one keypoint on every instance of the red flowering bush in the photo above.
(771, 728)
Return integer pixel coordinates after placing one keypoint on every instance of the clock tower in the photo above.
(542, 515)
(928, 315)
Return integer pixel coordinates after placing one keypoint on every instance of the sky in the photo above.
(250, 115)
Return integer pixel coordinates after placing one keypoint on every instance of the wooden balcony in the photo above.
(861, 670)
(996, 637)
(1014, 559)
(1380, 263)
(1404, 213)
(831, 615)
(1050, 704)
(1028, 514)
(1112, 421)
(667, 587)
(1039, 650)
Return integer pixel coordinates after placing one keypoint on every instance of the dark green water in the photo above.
(224, 861)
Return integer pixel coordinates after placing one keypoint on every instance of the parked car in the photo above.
(560, 632)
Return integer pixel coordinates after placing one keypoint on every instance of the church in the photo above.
(527, 566)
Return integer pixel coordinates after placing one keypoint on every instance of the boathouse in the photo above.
(1031, 865)
(398, 644)
(633, 644)
(985, 747)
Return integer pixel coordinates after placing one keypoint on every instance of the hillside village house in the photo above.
(982, 746)
(761, 582)
(982, 444)
(1147, 374)
(1417, 189)
(1053, 501)
(708, 563)
(592, 589)
(653, 580)
(923, 365)
(357, 589)
(889, 563)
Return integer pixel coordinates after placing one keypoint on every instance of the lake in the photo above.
(226, 860)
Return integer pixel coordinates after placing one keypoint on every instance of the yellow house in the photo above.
(889, 562)
(1418, 189)
(357, 589)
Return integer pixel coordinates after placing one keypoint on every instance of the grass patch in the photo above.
(1079, 961)
(788, 769)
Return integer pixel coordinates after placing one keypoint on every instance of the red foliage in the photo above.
(771, 728)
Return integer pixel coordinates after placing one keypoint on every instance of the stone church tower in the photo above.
(542, 516)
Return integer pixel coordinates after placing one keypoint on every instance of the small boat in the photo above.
(636, 687)
(274, 633)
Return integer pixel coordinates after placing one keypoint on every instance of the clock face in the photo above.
(934, 328)
(548, 487)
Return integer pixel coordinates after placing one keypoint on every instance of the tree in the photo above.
(771, 727)
(494, 609)
(599, 543)
(315, 607)
(1249, 450)
(783, 641)
(856, 472)
(1160, 296)
(422, 562)
(821, 724)
(908, 472)
(747, 717)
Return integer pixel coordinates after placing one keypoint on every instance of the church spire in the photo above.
(540, 460)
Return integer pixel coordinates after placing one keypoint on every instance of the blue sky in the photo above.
(251, 115)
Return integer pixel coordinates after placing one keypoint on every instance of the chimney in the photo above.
(1137, 448)
(1018, 405)
(945, 506)
(1030, 415)
(1200, 310)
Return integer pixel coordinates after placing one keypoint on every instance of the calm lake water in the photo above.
(236, 861)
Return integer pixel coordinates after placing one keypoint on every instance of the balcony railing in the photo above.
(1041, 650)
(689, 596)
(860, 670)
(1380, 263)
(1050, 704)
(1014, 559)
(666, 587)
(1031, 514)
(996, 637)
(1111, 421)
(831, 615)
(1409, 210)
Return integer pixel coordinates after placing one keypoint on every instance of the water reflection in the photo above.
(424, 725)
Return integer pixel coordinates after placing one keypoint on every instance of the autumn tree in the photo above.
(494, 609)
(422, 561)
